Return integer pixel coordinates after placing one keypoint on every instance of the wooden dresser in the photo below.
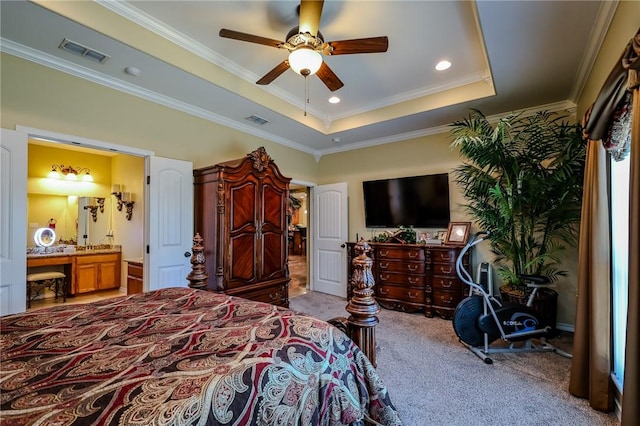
(415, 278)
(241, 214)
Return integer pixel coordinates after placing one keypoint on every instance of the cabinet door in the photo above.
(273, 233)
(242, 218)
(87, 277)
(107, 277)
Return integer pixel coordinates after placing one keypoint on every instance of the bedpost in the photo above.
(198, 276)
(363, 307)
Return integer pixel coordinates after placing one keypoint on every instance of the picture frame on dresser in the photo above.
(457, 233)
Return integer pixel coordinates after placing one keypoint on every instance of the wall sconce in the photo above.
(93, 208)
(124, 199)
(70, 173)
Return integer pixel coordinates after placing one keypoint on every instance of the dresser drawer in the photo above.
(385, 277)
(446, 299)
(276, 295)
(405, 294)
(444, 255)
(396, 266)
(446, 283)
(447, 269)
(404, 253)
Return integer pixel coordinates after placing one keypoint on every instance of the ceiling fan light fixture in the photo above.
(305, 61)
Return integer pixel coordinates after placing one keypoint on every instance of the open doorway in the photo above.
(298, 241)
(61, 205)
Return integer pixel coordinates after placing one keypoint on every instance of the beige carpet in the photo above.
(434, 380)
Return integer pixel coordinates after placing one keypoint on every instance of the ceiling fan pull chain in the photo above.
(306, 94)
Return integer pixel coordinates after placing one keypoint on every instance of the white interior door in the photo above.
(13, 222)
(169, 230)
(329, 233)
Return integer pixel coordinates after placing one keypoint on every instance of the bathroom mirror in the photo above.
(94, 220)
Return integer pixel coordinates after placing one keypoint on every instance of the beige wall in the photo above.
(35, 96)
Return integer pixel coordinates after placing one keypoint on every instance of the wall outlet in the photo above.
(34, 225)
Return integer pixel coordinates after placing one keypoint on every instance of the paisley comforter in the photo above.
(181, 356)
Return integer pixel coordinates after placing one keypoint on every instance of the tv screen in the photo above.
(418, 201)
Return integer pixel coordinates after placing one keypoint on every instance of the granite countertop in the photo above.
(38, 252)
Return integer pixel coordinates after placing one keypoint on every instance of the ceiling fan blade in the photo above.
(236, 35)
(360, 45)
(274, 73)
(310, 12)
(329, 78)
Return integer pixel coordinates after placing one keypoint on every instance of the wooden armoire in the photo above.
(241, 212)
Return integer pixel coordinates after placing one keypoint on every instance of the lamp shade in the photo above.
(305, 61)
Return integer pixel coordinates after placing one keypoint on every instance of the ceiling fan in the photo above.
(306, 46)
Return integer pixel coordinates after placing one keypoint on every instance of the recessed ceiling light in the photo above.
(334, 100)
(443, 65)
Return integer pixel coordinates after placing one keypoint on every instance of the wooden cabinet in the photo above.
(415, 278)
(134, 277)
(399, 272)
(97, 272)
(446, 288)
(241, 214)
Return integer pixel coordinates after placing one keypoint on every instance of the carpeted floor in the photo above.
(433, 380)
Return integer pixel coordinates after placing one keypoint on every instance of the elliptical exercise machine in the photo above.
(480, 319)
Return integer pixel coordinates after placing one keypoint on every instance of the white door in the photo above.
(169, 230)
(13, 222)
(329, 232)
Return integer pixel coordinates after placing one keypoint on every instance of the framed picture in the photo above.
(457, 233)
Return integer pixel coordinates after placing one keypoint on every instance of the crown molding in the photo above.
(53, 62)
(598, 34)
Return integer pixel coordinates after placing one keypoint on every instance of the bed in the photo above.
(184, 356)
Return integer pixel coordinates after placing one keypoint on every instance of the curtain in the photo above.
(631, 395)
(591, 362)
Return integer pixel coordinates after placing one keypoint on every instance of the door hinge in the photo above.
(148, 180)
(147, 248)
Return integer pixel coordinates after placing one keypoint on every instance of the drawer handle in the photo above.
(445, 256)
(384, 277)
(384, 265)
(446, 270)
(412, 295)
(446, 284)
(383, 291)
(413, 280)
(413, 254)
(384, 253)
(412, 268)
(448, 301)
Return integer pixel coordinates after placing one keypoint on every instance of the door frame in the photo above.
(79, 141)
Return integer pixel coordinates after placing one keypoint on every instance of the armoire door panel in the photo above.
(272, 256)
(242, 205)
(273, 207)
(242, 261)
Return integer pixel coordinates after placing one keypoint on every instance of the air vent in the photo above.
(258, 120)
(80, 50)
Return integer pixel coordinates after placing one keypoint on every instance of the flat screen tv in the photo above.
(418, 201)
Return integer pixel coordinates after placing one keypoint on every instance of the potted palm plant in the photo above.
(522, 179)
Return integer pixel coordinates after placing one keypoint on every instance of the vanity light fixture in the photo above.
(70, 173)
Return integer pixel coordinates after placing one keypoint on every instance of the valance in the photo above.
(623, 77)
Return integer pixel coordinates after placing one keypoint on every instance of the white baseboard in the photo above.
(566, 327)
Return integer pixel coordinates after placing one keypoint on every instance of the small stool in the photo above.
(54, 281)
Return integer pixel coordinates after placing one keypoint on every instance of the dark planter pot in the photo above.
(545, 303)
